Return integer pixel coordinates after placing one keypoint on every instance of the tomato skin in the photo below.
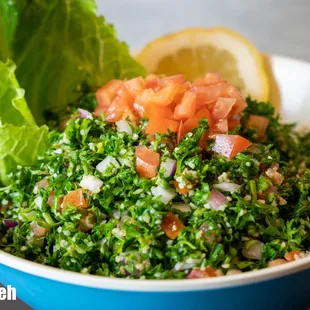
(209, 94)
(164, 96)
(76, 199)
(223, 107)
(212, 78)
(136, 85)
(177, 79)
(106, 94)
(161, 125)
(121, 106)
(186, 108)
(233, 92)
(291, 255)
(171, 225)
(198, 273)
(152, 82)
(260, 123)
(147, 162)
(192, 122)
(230, 145)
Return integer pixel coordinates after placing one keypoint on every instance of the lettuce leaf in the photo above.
(20, 145)
(13, 106)
(22, 141)
(8, 22)
(63, 47)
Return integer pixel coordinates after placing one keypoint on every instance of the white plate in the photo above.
(293, 77)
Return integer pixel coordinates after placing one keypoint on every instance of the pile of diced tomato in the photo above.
(175, 105)
(172, 103)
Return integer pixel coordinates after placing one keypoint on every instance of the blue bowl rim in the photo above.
(122, 284)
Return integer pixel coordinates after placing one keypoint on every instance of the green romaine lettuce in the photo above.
(20, 145)
(65, 46)
(21, 140)
(13, 106)
(8, 21)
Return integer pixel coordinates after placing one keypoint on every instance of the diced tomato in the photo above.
(197, 273)
(223, 107)
(233, 92)
(106, 94)
(291, 255)
(158, 111)
(181, 132)
(186, 108)
(171, 225)
(75, 199)
(260, 123)
(276, 262)
(164, 96)
(181, 190)
(180, 93)
(147, 162)
(161, 125)
(230, 145)
(136, 85)
(152, 81)
(232, 124)
(141, 102)
(221, 126)
(192, 122)
(209, 94)
(212, 78)
(177, 79)
(120, 106)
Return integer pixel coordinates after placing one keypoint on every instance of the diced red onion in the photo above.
(170, 167)
(10, 223)
(38, 230)
(85, 114)
(165, 194)
(123, 126)
(183, 207)
(253, 250)
(227, 187)
(217, 200)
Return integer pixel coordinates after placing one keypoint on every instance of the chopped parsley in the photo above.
(117, 230)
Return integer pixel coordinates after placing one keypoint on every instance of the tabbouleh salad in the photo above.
(111, 199)
(155, 177)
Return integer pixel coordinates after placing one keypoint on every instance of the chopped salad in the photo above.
(137, 177)
(166, 179)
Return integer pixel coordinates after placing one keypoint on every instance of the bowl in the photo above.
(283, 287)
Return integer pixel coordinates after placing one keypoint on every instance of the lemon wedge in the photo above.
(274, 93)
(195, 51)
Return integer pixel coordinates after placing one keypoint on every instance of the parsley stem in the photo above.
(48, 219)
(253, 190)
